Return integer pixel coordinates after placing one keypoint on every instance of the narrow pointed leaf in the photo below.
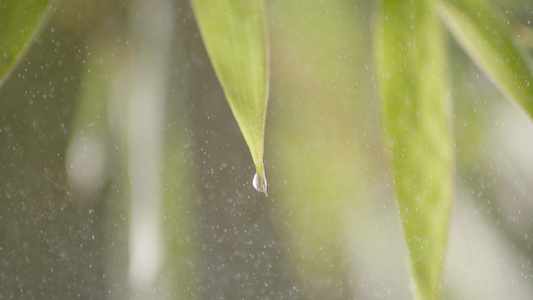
(486, 36)
(416, 115)
(234, 34)
(20, 22)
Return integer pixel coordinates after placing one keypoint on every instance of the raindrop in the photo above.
(258, 183)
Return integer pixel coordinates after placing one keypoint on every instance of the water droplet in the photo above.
(258, 183)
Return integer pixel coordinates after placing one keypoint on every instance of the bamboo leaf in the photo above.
(20, 23)
(486, 36)
(234, 34)
(87, 151)
(416, 114)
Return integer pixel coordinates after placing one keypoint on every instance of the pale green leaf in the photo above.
(20, 22)
(486, 36)
(234, 34)
(413, 87)
(87, 152)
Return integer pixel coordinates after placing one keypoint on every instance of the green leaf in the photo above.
(413, 87)
(234, 34)
(20, 23)
(486, 36)
(88, 151)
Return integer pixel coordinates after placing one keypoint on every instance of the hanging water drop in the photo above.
(258, 184)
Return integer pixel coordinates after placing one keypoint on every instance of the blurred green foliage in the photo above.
(486, 36)
(134, 78)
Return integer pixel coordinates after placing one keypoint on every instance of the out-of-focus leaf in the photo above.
(87, 151)
(20, 22)
(234, 34)
(486, 36)
(416, 114)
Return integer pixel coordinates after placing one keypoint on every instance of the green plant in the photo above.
(412, 72)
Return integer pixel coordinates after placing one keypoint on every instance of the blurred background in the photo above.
(123, 174)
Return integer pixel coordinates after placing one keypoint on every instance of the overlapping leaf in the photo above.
(416, 114)
(234, 34)
(486, 36)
